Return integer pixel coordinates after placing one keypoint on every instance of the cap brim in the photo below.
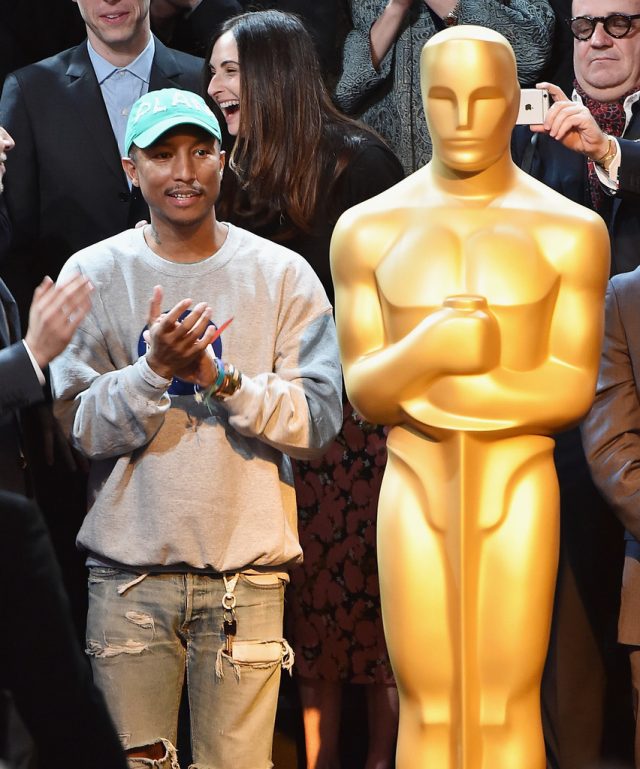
(148, 137)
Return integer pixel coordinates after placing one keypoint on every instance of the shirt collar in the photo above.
(630, 100)
(140, 66)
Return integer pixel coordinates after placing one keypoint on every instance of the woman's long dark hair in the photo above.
(292, 143)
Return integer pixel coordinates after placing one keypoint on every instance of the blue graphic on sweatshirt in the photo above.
(179, 386)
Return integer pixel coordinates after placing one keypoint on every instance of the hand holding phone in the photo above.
(534, 105)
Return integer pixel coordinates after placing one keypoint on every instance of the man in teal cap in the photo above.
(189, 420)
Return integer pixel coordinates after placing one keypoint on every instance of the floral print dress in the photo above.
(334, 607)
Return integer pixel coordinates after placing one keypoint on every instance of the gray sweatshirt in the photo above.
(172, 483)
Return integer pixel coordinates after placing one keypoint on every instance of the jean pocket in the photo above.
(265, 581)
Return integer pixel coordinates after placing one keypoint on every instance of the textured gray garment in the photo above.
(172, 482)
(389, 100)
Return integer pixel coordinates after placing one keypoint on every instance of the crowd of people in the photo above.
(179, 172)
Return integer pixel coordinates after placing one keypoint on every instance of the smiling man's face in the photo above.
(607, 67)
(116, 26)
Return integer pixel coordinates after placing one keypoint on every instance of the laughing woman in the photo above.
(296, 165)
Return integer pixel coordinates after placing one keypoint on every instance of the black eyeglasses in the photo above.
(615, 24)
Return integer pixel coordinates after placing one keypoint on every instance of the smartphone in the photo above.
(534, 105)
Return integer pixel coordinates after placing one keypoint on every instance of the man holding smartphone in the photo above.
(587, 146)
(587, 149)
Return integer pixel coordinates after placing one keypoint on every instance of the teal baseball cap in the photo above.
(158, 111)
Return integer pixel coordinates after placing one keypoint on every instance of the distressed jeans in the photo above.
(144, 635)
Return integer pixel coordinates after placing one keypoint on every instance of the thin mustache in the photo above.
(181, 190)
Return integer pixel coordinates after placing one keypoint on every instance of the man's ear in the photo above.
(131, 171)
(223, 160)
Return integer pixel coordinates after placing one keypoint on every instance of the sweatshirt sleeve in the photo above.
(298, 407)
(118, 412)
(106, 407)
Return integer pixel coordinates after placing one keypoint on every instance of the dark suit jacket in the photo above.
(19, 385)
(65, 188)
(611, 433)
(566, 172)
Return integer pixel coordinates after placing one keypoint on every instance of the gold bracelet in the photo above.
(228, 380)
(609, 155)
(231, 382)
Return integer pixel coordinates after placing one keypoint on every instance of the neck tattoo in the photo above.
(155, 236)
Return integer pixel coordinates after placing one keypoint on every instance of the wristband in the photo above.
(220, 378)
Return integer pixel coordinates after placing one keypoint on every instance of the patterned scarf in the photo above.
(611, 118)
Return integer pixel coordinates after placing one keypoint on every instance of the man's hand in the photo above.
(178, 348)
(203, 371)
(573, 125)
(55, 314)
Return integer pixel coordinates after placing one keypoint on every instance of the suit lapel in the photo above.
(86, 99)
(166, 71)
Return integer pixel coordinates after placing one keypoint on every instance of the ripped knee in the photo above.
(255, 655)
(160, 754)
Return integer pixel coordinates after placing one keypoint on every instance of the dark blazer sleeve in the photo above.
(547, 160)
(611, 431)
(19, 385)
(629, 172)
